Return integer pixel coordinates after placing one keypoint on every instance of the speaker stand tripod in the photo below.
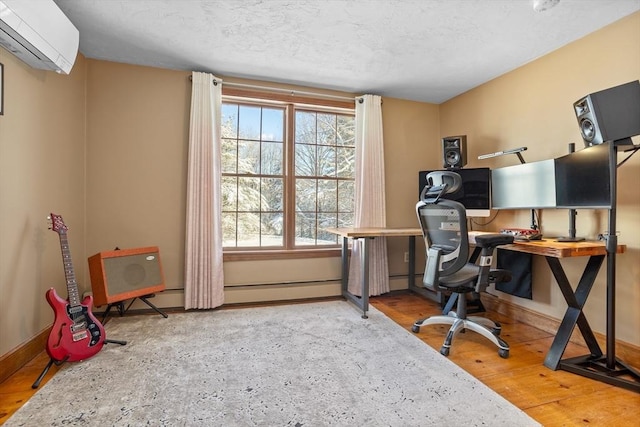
(52, 362)
(121, 308)
(608, 368)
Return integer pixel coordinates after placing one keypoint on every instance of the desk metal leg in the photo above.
(361, 302)
(574, 314)
(411, 276)
(345, 266)
(364, 271)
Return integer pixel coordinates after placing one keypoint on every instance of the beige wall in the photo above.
(106, 147)
(137, 136)
(533, 107)
(42, 149)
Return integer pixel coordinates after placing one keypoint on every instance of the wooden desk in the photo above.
(550, 249)
(554, 251)
(369, 233)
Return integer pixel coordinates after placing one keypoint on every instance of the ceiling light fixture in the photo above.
(542, 5)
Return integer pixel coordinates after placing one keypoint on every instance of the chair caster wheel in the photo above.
(415, 328)
(503, 353)
(496, 331)
(444, 351)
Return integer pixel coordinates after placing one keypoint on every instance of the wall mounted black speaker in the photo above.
(124, 274)
(454, 151)
(609, 115)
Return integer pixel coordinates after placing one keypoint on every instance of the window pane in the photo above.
(326, 161)
(327, 196)
(346, 162)
(272, 194)
(272, 229)
(305, 228)
(305, 160)
(248, 194)
(229, 193)
(306, 195)
(229, 156)
(326, 221)
(345, 219)
(248, 229)
(229, 223)
(346, 131)
(346, 196)
(326, 129)
(248, 157)
(272, 124)
(229, 121)
(305, 127)
(249, 122)
(272, 157)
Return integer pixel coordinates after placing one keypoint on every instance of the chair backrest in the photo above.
(444, 223)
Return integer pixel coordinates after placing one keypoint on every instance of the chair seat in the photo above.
(465, 277)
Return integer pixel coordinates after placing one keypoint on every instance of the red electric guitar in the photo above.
(76, 334)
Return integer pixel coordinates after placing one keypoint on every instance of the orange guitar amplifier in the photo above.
(124, 274)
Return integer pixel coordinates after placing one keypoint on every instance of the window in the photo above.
(287, 173)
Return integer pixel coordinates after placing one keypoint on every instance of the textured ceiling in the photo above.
(423, 50)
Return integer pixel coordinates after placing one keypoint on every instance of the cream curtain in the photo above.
(370, 196)
(204, 278)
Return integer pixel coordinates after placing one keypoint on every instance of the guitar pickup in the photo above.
(78, 327)
(77, 336)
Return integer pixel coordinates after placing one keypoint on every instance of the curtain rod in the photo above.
(281, 90)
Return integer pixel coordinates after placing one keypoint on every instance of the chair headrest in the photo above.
(452, 180)
(440, 183)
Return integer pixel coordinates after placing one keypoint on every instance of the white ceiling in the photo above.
(423, 50)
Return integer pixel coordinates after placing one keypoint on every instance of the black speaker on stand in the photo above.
(454, 151)
(610, 116)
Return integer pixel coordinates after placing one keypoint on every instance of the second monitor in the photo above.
(475, 193)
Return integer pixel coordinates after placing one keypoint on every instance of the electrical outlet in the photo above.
(406, 257)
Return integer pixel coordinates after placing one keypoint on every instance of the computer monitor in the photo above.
(583, 179)
(579, 180)
(475, 194)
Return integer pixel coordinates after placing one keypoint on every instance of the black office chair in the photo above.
(444, 228)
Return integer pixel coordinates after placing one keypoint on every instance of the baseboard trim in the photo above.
(16, 359)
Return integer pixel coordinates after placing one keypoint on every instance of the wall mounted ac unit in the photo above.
(39, 34)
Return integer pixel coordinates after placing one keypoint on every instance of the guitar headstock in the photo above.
(57, 224)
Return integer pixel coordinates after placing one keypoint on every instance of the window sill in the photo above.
(259, 255)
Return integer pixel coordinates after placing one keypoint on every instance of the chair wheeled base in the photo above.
(485, 327)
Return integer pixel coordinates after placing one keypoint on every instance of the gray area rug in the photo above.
(315, 364)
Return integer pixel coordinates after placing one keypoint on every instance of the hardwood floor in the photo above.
(554, 398)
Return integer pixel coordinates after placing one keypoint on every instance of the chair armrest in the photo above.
(493, 240)
(432, 269)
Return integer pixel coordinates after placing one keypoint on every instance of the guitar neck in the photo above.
(69, 274)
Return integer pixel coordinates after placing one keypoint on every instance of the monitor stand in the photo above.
(572, 229)
(572, 215)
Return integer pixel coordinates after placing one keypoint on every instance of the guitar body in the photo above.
(76, 334)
